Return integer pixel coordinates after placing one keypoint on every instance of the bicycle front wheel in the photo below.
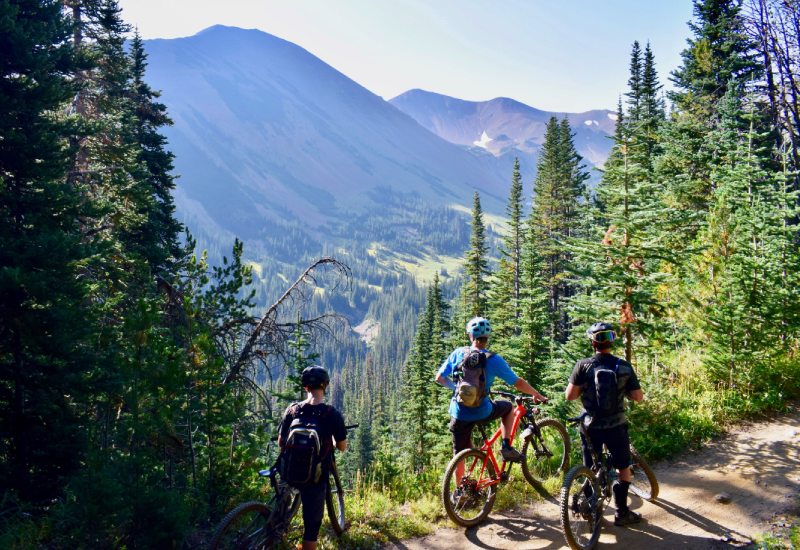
(334, 498)
(644, 483)
(546, 452)
(246, 526)
(468, 491)
(581, 508)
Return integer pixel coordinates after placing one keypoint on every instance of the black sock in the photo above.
(620, 489)
(505, 444)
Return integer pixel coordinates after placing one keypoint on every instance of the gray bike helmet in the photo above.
(478, 327)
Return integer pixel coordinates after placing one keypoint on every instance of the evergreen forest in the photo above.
(144, 370)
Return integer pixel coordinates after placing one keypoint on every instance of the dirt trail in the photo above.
(757, 466)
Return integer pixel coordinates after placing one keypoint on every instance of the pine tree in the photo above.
(441, 447)
(719, 54)
(504, 293)
(556, 216)
(46, 313)
(652, 113)
(622, 262)
(476, 265)
(635, 83)
(419, 391)
(157, 237)
(748, 301)
(530, 351)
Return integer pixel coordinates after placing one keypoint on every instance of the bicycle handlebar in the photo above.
(516, 396)
(578, 420)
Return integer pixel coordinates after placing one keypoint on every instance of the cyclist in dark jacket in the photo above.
(608, 427)
(315, 380)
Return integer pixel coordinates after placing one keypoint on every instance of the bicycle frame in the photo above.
(599, 466)
(519, 411)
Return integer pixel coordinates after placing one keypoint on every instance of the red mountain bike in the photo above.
(472, 477)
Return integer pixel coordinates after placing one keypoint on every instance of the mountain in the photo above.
(281, 150)
(265, 133)
(504, 126)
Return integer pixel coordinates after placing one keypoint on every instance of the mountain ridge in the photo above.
(278, 148)
(504, 125)
(288, 137)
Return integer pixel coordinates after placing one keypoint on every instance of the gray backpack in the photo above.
(304, 450)
(470, 376)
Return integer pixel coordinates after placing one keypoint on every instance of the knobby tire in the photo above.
(644, 483)
(554, 440)
(464, 502)
(581, 514)
(246, 526)
(334, 497)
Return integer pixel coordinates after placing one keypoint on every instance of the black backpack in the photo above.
(304, 449)
(470, 377)
(605, 388)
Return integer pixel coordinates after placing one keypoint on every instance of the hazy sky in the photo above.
(556, 55)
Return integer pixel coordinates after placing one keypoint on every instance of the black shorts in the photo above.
(312, 496)
(462, 430)
(617, 441)
(313, 499)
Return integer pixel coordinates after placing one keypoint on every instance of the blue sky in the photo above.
(555, 55)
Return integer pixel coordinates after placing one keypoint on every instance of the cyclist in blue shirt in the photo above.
(464, 418)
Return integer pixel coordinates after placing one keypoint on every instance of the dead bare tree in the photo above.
(269, 337)
(775, 25)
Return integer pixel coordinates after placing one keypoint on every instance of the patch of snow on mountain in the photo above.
(591, 122)
(484, 141)
(612, 116)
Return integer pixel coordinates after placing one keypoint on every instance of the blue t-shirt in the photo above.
(496, 367)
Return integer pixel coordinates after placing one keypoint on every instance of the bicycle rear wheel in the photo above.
(581, 508)
(246, 526)
(644, 483)
(466, 497)
(334, 497)
(546, 453)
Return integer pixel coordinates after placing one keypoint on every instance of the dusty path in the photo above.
(757, 466)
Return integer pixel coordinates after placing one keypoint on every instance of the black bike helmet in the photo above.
(601, 333)
(314, 377)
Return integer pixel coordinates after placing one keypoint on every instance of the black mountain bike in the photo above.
(269, 525)
(586, 491)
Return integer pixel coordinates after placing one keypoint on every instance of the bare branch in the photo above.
(268, 329)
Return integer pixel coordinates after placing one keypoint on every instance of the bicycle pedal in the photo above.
(503, 476)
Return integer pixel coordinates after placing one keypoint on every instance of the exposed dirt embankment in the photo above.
(741, 486)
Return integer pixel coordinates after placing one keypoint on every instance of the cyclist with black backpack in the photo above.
(470, 371)
(602, 382)
(308, 434)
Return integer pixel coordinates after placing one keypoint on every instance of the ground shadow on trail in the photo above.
(720, 533)
(515, 531)
(545, 533)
